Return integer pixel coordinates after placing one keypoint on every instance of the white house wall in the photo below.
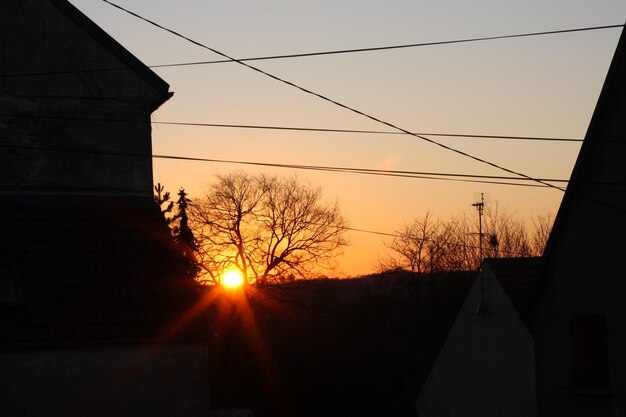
(486, 366)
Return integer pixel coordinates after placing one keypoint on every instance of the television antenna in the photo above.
(480, 207)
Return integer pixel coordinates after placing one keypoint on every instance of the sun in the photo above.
(232, 279)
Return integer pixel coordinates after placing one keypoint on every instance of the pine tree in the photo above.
(165, 205)
(183, 235)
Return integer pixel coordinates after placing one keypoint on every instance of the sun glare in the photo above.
(232, 279)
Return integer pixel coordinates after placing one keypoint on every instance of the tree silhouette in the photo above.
(431, 245)
(269, 229)
(183, 236)
(543, 227)
(163, 200)
(421, 246)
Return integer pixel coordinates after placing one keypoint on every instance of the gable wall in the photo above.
(485, 367)
(585, 271)
(103, 111)
(584, 277)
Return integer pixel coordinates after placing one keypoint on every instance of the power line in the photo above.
(400, 173)
(380, 132)
(295, 128)
(483, 179)
(385, 48)
(352, 109)
(407, 236)
(321, 53)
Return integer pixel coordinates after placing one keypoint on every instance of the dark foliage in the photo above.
(183, 236)
(163, 200)
(360, 347)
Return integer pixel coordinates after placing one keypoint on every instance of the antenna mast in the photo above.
(480, 206)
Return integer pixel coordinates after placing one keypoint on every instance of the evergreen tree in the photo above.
(165, 205)
(183, 236)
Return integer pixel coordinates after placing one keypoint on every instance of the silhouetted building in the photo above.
(486, 365)
(97, 314)
(576, 311)
(579, 318)
(75, 104)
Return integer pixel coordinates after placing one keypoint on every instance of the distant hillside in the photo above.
(358, 347)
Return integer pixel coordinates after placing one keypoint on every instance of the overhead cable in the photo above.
(379, 132)
(322, 53)
(337, 103)
(483, 179)
(384, 48)
(293, 128)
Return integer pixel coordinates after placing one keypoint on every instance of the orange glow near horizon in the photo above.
(232, 279)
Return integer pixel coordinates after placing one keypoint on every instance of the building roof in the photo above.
(602, 132)
(92, 269)
(45, 47)
(117, 49)
(590, 222)
(517, 277)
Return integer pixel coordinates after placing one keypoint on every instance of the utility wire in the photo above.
(384, 172)
(384, 48)
(484, 179)
(322, 53)
(295, 128)
(379, 132)
(395, 235)
(406, 236)
(352, 109)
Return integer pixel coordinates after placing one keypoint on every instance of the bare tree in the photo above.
(505, 235)
(223, 223)
(464, 252)
(269, 229)
(429, 245)
(543, 227)
(420, 246)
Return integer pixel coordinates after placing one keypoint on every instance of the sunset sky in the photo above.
(540, 86)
